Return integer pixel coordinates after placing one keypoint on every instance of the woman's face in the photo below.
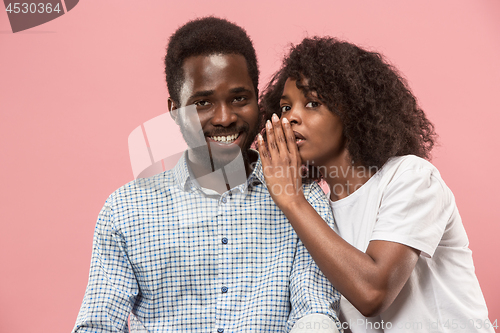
(318, 130)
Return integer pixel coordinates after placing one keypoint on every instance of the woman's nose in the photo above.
(293, 115)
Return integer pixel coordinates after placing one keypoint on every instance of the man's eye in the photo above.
(312, 105)
(202, 103)
(239, 99)
(285, 108)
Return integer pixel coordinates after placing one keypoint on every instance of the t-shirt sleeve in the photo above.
(414, 210)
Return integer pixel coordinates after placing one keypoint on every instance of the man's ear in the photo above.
(172, 109)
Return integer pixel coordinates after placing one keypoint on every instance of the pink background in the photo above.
(73, 89)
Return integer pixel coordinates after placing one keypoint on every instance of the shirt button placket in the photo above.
(224, 241)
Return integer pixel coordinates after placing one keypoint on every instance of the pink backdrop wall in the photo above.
(73, 89)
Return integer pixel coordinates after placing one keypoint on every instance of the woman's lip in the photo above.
(299, 139)
(298, 135)
(300, 142)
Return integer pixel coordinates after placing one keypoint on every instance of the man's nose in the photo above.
(224, 115)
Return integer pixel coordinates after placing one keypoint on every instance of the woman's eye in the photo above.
(312, 105)
(285, 108)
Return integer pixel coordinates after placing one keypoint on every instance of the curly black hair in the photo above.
(379, 113)
(206, 36)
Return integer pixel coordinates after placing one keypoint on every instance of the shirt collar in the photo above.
(183, 176)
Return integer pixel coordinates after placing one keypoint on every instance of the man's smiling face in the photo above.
(220, 89)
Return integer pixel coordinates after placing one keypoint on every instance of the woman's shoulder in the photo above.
(402, 164)
(409, 170)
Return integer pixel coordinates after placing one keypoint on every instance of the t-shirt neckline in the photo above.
(351, 198)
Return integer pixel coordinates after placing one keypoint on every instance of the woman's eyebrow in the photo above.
(312, 94)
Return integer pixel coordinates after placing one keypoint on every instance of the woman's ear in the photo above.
(172, 109)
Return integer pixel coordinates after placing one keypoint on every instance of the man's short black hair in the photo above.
(206, 36)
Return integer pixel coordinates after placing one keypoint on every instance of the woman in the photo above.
(399, 254)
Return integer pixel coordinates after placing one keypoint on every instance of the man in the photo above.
(202, 247)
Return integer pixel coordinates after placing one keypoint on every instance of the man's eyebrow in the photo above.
(239, 90)
(203, 93)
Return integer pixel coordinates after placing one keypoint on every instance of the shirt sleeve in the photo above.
(112, 287)
(315, 323)
(310, 290)
(414, 210)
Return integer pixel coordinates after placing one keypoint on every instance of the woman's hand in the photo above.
(281, 163)
(370, 280)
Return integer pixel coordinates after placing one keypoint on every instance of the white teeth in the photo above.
(225, 139)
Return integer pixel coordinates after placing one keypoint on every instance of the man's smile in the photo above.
(226, 139)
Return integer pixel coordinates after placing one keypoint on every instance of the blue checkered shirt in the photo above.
(177, 260)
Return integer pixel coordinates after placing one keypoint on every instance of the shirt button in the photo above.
(224, 290)
(224, 240)
(220, 330)
(224, 200)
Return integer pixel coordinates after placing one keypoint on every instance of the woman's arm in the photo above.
(371, 280)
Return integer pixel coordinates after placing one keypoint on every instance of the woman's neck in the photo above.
(343, 177)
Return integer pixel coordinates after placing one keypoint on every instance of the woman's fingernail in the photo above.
(259, 137)
(275, 117)
(285, 121)
(268, 124)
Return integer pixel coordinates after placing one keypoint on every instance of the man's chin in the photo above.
(224, 154)
(222, 160)
(214, 159)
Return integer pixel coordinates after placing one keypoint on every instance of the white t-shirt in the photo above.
(407, 202)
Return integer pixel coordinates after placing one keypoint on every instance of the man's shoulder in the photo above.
(312, 191)
(318, 199)
(134, 203)
(157, 183)
(141, 188)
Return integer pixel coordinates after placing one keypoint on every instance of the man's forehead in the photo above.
(207, 67)
(207, 72)
(199, 63)
(217, 61)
